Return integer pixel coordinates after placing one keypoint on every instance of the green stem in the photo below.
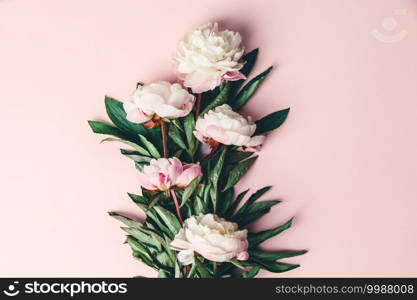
(177, 207)
(214, 268)
(164, 139)
(198, 106)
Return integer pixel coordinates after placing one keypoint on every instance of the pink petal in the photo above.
(135, 115)
(144, 182)
(163, 178)
(191, 171)
(232, 76)
(175, 168)
(242, 256)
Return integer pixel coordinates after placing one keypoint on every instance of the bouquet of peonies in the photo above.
(190, 147)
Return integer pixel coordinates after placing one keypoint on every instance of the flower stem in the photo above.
(177, 207)
(214, 268)
(164, 139)
(198, 106)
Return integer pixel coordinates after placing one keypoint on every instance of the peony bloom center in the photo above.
(168, 173)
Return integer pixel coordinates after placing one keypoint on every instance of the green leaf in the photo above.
(178, 273)
(189, 190)
(234, 157)
(143, 258)
(214, 196)
(219, 100)
(189, 126)
(141, 201)
(237, 264)
(159, 225)
(236, 203)
(139, 166)
(143, 237)
(169, 219)
(202, 270)
(163, 274)
(271, 121)
(192, 272)
(133, 145)
(249, 90)
(188, 210)
(225, 202)
(260, 206)
(153, 218)
(253, 212)
(252, 272)
(125, 220)
(138, 247)
(175, 135)
(177, 123)
(255, 238)
(164, 260)
(103, 128)
(200, 206)
(273, 256)
(117, 115)
(150, 147)
(155, 200)
(255, 196)
(250, 60)
(206, 195)
(215, 173)
(135, 156)
(272, 266)
(238, 171)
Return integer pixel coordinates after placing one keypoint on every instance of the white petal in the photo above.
(186, 257)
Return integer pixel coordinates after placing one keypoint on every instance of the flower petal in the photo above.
(191, 171)
(186, 257)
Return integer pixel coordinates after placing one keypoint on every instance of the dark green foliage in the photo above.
(211, 193)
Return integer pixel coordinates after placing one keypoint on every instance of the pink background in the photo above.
(344, 162)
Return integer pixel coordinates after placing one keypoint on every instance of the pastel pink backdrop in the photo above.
(344, 162)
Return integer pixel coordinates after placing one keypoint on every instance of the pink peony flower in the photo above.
(212, 237)
(166, 173)
(223, 125)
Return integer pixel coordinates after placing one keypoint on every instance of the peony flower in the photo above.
(167, 173)
(212, 237)
(206, 57)
(223, 125)
(158, 100)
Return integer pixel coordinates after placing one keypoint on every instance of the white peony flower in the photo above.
(212, 237)
(159, 99)
(206, 57)
(223, 125)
